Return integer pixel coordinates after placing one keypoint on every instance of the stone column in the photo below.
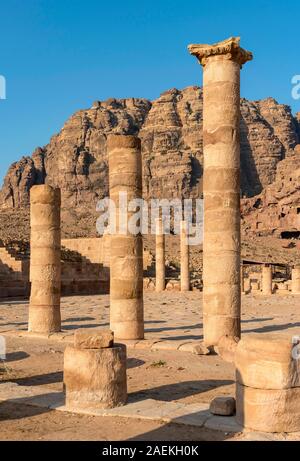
(45, 269)
(242, 279)
(296, 280)
(266, 279)
(126, 249)
(160, 269)
(184, 254)
(221, 186)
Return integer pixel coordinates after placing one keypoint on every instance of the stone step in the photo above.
(13, 283)
(13, 292)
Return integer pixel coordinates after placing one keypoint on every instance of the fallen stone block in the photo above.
(93, 339)
(222, 406)
(197, 348)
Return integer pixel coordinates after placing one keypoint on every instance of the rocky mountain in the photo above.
(276, 210)
(171, 131)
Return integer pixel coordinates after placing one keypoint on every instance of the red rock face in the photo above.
(171, 132)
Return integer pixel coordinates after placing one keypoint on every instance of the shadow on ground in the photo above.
(15, 356)
(177, 391)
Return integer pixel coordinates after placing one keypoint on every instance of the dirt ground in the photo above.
(160, 375)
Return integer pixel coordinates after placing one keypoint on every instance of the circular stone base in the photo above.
(95, 378)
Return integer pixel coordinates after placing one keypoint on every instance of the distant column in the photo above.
(160, 256)
(267, 279)
(184, 255)
(242, 279)
(221, 187)
(296, 280)
(45, 269)
(126, 250)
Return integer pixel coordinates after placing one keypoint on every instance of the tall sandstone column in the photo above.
(184, 257)
(221, 186)
(45, 268)
(126, 250)
(267, 279)
(160, 269)
(296, 280)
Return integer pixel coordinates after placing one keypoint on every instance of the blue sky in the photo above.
(59, 56)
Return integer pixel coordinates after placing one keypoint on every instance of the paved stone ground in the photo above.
(161, 382)
(169, 316)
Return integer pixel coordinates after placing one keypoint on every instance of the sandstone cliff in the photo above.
(171, 132)
(276, 211)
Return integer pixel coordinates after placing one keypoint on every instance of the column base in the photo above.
(44, 319)
(127, 330)
(95, 378)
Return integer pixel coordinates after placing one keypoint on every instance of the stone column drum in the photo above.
(268, 382)
(184, 255)
(296, 280)
(45, 268)
(160, 267)
(266, 279)
(126, 249)
(95, 371)
(221, 186)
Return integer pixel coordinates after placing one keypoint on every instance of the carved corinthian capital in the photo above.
(228, 49)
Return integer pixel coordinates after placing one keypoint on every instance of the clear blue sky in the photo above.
(59, 56)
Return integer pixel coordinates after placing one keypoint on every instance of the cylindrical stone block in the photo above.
(296, 280)
(160, 268)
(268, 410)
(95, 378)
(221, 187)
(267, 361)
(267, 382)
(45, 265)
(184, 255)
(266, 279)
(126, 249)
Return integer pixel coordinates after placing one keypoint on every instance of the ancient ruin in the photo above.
(126, 249)
(102, 329)
(45, 253)
(160, 267)
(95, 371)
(184, 254)
(267, 279)
(267, 388)
(296, 280)
(221, 186)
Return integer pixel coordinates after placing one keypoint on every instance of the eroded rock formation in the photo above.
(171, 131)
(276, 211)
